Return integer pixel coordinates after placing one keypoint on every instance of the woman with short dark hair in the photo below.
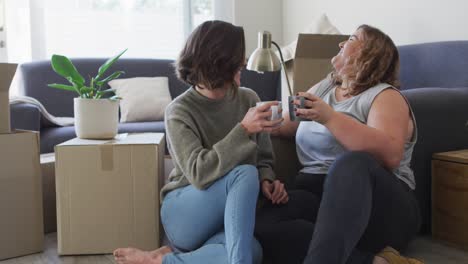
(222, 155)
(355, 148)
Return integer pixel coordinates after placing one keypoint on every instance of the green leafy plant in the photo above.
(91, 90)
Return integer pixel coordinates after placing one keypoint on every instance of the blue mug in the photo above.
(292, 114)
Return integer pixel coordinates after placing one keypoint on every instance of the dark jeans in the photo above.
(346, 216)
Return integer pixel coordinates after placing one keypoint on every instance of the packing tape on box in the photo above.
(107, 157)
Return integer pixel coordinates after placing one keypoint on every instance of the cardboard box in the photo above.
(21, 224)
(48, 192)
(7, 71)
(312, 61)
(108, 193)
(450, 198)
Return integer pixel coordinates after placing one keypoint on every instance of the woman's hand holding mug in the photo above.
(262, 119)
(313, 108)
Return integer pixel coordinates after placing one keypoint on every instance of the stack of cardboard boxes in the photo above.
(107, 191)
(21, 222)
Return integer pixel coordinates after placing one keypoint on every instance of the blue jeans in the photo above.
(214, 225)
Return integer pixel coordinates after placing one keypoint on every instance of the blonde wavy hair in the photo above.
(376, 62)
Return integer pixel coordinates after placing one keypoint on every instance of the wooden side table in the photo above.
(450, 197)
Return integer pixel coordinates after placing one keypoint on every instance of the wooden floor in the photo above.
(50, 256)
(434, 252)
(425, 249)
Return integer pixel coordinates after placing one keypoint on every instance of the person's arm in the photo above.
(385, 133)
(288, 128)
(265, 157)
(272, 189)
(203, 166)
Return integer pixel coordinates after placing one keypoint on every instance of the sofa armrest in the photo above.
(25, 116)
(441, 117)
(286, 163)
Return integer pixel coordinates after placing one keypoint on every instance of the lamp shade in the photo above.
(264, 59)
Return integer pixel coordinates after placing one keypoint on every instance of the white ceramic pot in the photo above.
(96, 118)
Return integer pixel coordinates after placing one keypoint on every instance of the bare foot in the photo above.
(159, 254)
(133, 256)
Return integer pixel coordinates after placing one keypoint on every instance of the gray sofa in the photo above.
(36, 75)
(434, 78)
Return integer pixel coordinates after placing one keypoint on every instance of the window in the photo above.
(102, 28)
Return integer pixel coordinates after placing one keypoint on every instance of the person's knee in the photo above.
(352, 161)
(352, 165)
(247, 169)
(257, 252)
(245, 174)
(354, 157)
(219, 238)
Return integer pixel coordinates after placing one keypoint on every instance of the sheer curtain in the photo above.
(101, 28)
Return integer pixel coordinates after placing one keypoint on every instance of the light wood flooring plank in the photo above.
(50, 256)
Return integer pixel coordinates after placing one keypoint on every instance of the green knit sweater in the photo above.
(206, 140)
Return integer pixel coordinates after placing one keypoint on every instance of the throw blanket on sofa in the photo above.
(59, 121)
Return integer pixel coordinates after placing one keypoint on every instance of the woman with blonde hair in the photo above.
(355, 148)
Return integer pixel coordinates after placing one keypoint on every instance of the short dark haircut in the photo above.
(212, 55)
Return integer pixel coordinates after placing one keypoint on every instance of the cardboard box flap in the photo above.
(313, 57)
(7, 72)
(318, 46)
(27, 132)
(21, 224)
(120, 139)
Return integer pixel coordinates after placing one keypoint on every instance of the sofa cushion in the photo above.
(438, 64)
(144, 99)
(55, 135)
(441, 115)
(25, 116)
(141, 127)
(36, 75)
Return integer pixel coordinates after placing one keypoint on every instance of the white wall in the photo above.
(259, 15)
(405, 21)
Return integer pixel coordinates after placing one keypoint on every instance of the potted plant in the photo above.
(95, 117)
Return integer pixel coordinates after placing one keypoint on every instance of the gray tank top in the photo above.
(317, 148)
